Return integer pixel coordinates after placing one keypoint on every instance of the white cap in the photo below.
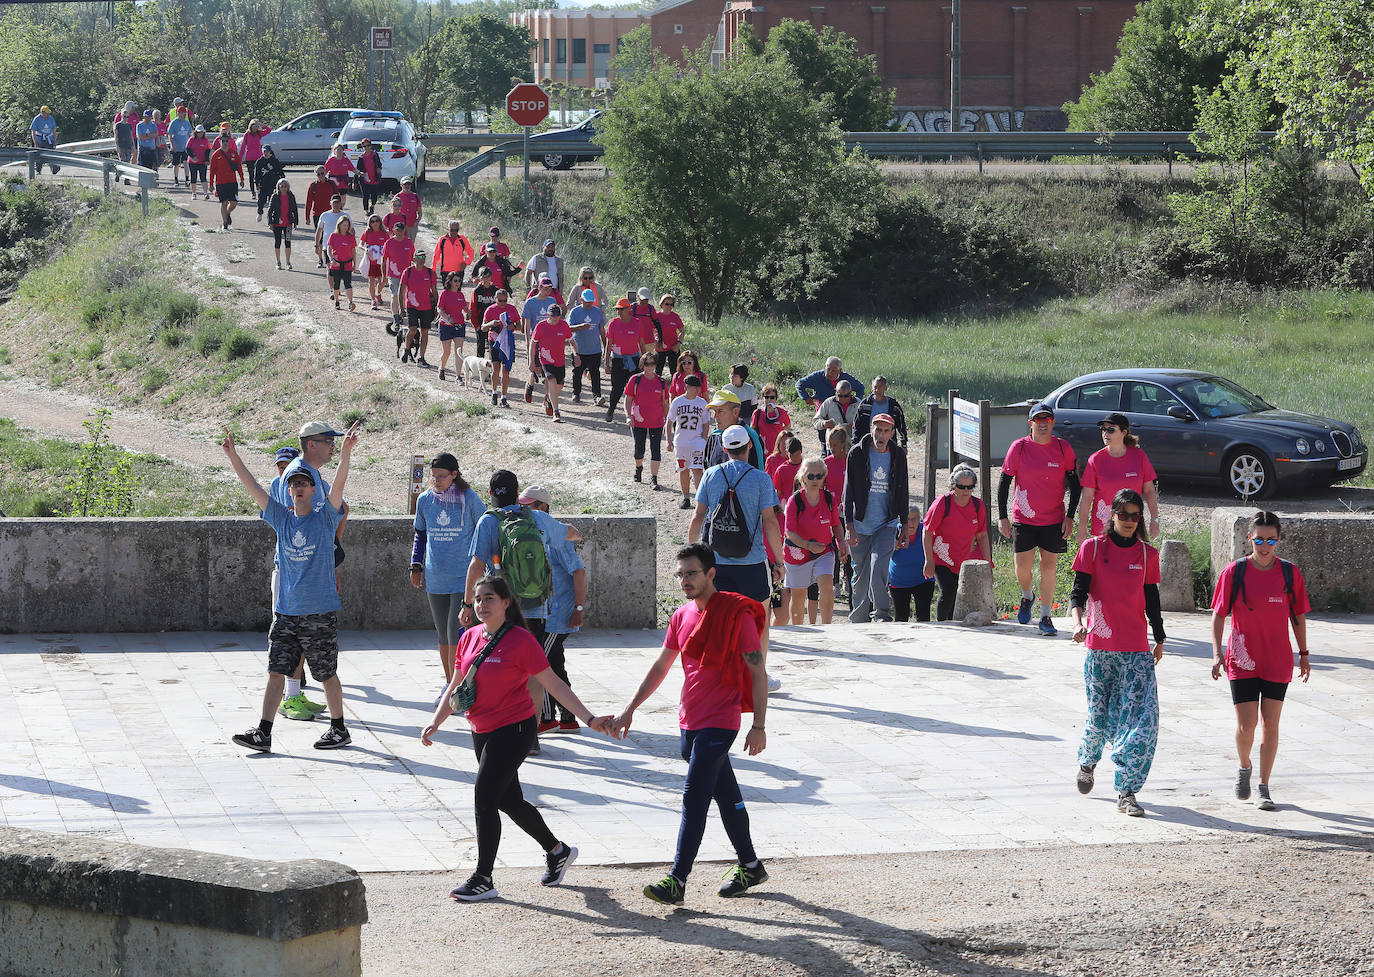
(735, 436)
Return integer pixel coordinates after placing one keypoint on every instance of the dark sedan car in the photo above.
(1197, 425)
(583, 133)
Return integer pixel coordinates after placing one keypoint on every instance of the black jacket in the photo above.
(267, 171)
(286, 204)
(865, 418)
(856, 482)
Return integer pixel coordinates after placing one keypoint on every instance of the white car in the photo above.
(305, 140)
(402, 152)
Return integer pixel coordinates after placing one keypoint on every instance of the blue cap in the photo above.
(1041, 408)
(288, 454)
(588, 295)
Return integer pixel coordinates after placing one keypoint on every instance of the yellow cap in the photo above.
(45, 109)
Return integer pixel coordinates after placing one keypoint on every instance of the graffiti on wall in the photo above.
(970, 120)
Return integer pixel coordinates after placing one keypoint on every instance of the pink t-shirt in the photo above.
(770, 427)
(410, 206)
(835, 475)
(552, 338)
(392, 219)
(1115, 611)
(1039, 470)
(783, 477)
(648, 409)
(493, 314)
(397, 255)
(624, 336)
(342, 246)
(953, 532)
(374, 239)
(453, 307)
(671, 324)
(1106, 476)
(679, 385)
(502, 695)
(815, 523)
(417, 282)
(1258, 644)
(709, 701)
(771, 463)
(337, 169)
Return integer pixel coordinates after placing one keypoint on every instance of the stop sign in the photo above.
(527, 104)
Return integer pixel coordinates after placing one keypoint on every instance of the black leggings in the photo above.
(264, 193)
(371, 191)
(949, 586)
(903, 597)
(280, 236)
(590, 364)
(558, 661)
(655, 436)
(496, 790)
(619, 377)
(668, 358)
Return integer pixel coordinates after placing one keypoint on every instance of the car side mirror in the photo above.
(1181, 413)
(334, 135)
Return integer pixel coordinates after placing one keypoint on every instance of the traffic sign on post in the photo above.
(527, 105)
(381, 38)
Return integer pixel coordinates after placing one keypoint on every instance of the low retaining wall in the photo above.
(73, 905)
(1334, 551)
(107, 575)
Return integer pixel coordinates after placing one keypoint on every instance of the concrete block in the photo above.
(1333, 550)
(1176, 576)
(975, 594)
(71, 904)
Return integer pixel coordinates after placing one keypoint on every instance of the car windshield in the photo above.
(1215, 397)
(376, 131)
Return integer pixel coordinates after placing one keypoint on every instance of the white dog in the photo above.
(476, 369)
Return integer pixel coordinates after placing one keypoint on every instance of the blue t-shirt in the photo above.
(875, 513)
(587, 342)
(535, 308)
(907, 566)
(147, 135)
(565, 562)
(179, 132)
(45, 126)
(305, 558)
(486, 546)
(880, 407)
(448, 529)
(756, 495)
(277, 491)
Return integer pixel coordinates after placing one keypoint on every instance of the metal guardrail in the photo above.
(145, 179)
(514, 149)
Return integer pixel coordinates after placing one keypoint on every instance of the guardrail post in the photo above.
(35, 164)
(106, 169)
(500, 155)
(980, 159)
(143, 194)
(1169, 157)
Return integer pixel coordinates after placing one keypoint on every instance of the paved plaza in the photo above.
(886, 738)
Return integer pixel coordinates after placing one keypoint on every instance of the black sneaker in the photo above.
(666, 890)
(653, 480)
(1085, 777)
(443, 375)
(494, 399)
(1127, 804)
(475, 889)
(333, 739)
(558, 861)
(534, 750)
(740, 880)
(686, 503)
(1243, 783)
(639, 474)
(1266, 803)
(254, 739)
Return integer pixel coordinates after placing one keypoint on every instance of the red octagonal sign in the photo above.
(527, 105)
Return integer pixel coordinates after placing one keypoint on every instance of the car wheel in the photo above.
(1250, 473)
(557, 161)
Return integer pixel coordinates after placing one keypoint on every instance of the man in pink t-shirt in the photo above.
(548, 342)
(1042, 466)
(717, 635)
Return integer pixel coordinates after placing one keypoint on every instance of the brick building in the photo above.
(1022, 58)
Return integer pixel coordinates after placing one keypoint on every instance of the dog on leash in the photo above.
(407, 344)
(476, 369)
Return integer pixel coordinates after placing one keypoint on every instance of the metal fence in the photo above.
(145, 179)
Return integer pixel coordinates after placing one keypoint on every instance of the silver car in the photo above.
(307, 139)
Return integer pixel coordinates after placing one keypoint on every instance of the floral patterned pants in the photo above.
(1123, 709)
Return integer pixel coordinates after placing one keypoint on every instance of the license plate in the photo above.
(1348, 464)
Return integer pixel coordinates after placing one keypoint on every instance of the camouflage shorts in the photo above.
(314, 636)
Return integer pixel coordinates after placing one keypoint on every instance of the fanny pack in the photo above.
(465, 695)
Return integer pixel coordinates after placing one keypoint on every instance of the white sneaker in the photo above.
(774, 684)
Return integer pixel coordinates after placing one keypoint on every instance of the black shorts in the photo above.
(226, 192)
(749, 579)
(1048, 538)
(1250, 690)
(555, 373)
(197, 172)
(178, 158)
(421, 318)
(312, 636)
(342, 277)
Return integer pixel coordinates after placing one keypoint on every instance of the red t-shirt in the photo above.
(642, 313)
(551, 338)
(198, 149)
(392, 219)
(953, 533)
(317, 198)
(417, 282)
(337, 169)
(397, 255)
(624, 336)
(502, 248)
(342, 246)
(709, 699)
(223, 169)
(648, 409)
(494, 312)
(410, 206)
(835, 475)
(1107, 476)
(374, 239)
(1258, 645)
(679, 385)
(672, 326)
(502, 695)
(1039, 470)
(770, 427)
(815, 523)
(453, 306)
(1115, 611)
(783, 476)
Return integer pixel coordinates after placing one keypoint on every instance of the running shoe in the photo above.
(666, 890)
(740, 880)
(319, 262)
(882, 617)
(254, 739)
(315, 707)
(535, 750)
(639, 474)
(333, 739)
(443, 374)
(1085, 777)
(1266, 803)
(1127, 804)
(558, 417)
(548, 407)
(278, 266)
(295, 708)
(475, 889)
(547, 726)
(1047, 627)
(686, 503)
(557, 861)
(422, 362)
(1024, 611)
(1243, 783)
(774, 684)
(653, 480)
(529, 394)
(505, 402)
(569, 725)
(494, 398)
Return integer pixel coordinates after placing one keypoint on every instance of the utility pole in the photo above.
(956, 53)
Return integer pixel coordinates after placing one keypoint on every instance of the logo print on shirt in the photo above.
(942, 551)
(880, 474)
(442, 519)
(299, 539)
(1021, 503)
(1240, 657)
(1104, 511)
(1097, 624)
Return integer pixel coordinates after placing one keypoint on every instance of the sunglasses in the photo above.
(963, 488)
(669, 305)
(844, 396)
(1128, 515)
(1109, 428)
(1266, 541)
(813, 477)
(770, 396)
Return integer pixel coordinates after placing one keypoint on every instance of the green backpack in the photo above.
(524, 560)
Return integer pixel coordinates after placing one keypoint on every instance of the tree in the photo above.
(730, 175)
(55, 63)
(479, 56)
(831, 69)
(1150, 85)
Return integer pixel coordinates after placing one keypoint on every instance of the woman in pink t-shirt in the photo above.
(687, 362)
(1119, 465)
(1115, 593)
(503, 656)
(955, 530)
(646, 408)
(453, 317)
(338, 167)
(374, 240)
(343, 248)
(1263, 596)
(813, 534)
(770, 420)
(548, 358)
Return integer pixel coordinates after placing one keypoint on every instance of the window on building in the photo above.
(560, 50)
(579, 50)
(545, 59)
(677, 28)
(601, 49)
(619, 43)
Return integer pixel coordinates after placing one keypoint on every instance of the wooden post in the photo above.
(985, 461)
(417, 481)
(953, 456)
(932, 419)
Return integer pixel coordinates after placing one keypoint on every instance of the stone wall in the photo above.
(1333, 550)
(108, 575)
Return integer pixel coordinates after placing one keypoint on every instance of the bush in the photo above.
(350, 417)
(155, 379)
(239, 343)
(92, 350)
(212, 328)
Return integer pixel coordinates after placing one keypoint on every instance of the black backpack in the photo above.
(728, 533)
(977, 506)
(1238, 584)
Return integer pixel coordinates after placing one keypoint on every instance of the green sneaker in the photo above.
(315, 707)
(666, 890)
(297, 708)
